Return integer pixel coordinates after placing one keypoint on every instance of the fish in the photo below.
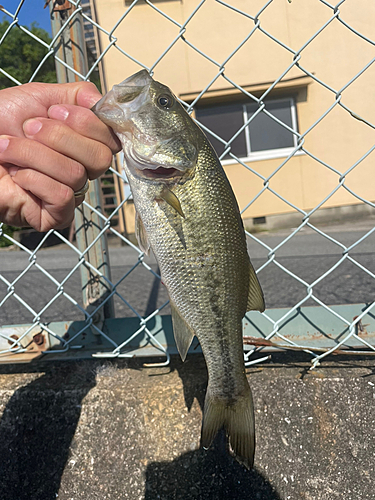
(187, 214)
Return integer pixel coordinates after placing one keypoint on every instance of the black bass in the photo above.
(188, 215)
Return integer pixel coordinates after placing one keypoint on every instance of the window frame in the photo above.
(267, 154)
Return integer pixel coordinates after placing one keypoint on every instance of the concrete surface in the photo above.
(113, 431)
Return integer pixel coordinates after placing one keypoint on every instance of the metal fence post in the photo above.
(90, 227)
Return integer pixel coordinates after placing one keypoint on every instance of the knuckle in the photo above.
(29, 175)
(101, 160)
(32, 87)
(82, 119)
(107, 157)
(77, 173)
(64, 210)
(54, 134)
(87, 94)
(47, 225)
(26, 154)
(86, 123)
(64, 196)
(56, 221)
(87, 86)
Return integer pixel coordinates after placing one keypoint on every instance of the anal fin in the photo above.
(183, 334)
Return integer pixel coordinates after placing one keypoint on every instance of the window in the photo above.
(262, 138)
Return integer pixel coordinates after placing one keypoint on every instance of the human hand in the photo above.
(50, 144)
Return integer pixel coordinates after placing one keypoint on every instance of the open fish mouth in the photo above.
(144, 168)
(161, 172)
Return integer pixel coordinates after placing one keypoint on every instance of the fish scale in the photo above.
(191, 221)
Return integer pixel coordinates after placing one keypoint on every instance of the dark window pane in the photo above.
(265, 133)
(224, 121)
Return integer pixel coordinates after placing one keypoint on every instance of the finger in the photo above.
(12, 199)
(85, 123)
(80, 93)
(79, 200)
(50, 204)
(95, 156)
(27, 153)
(34, 99)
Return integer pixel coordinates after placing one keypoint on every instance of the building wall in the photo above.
(335, 56)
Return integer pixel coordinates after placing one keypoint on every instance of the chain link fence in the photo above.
(319, 280)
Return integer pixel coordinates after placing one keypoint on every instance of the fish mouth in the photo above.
(144, 168)
(161, 172)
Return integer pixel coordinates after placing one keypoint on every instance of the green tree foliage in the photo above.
(4, 242)
(20, 55)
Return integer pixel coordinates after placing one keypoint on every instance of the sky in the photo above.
(31, 10)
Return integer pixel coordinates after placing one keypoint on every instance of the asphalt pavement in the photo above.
(307, 255)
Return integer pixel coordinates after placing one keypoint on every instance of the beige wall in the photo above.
(335, 56)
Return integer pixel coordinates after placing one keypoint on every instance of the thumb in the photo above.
(18, 104)
(83, 94)
(87, 95)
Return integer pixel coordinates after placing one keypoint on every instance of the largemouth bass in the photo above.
(188, 215)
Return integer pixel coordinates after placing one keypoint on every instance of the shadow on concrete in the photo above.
(154, 294)
(194, 378)
(208, 475)
(37, 431)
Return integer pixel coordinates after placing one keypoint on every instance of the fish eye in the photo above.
(165, 101)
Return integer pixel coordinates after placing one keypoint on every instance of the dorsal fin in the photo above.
(255, 298)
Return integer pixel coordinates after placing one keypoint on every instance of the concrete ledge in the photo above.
(93, 430)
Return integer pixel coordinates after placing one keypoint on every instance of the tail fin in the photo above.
(237, 419)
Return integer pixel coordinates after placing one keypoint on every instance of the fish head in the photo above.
(159, 139)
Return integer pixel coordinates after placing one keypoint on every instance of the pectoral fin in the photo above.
(141, 235)
(255, 298)
(169, 197)
(182, 332)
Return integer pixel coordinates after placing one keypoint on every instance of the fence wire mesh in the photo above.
(308, 265)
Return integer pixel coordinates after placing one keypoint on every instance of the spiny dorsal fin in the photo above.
(182, 332)
(141, 235)
(169, 197)
(255, 298)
